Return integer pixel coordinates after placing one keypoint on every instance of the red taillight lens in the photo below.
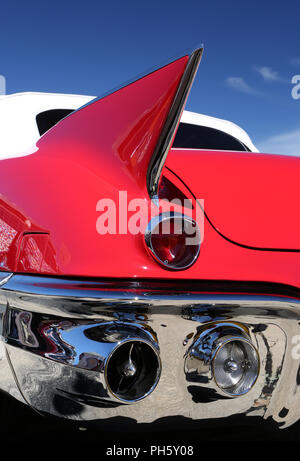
(173, 240)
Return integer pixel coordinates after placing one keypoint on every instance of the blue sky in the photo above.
(252, 50)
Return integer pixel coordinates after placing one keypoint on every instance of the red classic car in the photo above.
(144, 283)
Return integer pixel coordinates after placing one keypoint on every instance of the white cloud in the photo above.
(286, 144)
(268, 74)
(239, 84)
(295, 61)
(2, 85)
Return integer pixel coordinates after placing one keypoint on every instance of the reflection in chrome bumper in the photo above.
(58, 334)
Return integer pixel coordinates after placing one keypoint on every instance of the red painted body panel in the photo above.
(14, 224)
(252, 199)
(106, 147)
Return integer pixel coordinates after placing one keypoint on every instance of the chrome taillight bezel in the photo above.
(156, 221)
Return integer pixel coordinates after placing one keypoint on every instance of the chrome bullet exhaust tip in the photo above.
(132, 370)
(223, 359)
(235, 365)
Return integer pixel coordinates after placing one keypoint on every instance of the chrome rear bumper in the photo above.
(57, 335)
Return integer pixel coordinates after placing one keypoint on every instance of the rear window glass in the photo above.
(191, 136)
(47, 119)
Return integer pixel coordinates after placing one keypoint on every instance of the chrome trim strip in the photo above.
(42, 283)
(88, 298)
(4, 277)
(166, 137)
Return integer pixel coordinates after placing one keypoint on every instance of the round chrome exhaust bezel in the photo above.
(201, 357)
(223, 341)
(158, 371)
(156, 221)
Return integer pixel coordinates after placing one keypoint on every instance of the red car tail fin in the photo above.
(131, 129)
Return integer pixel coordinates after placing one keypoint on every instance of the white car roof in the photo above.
(19, 131)
(18, 128)
(219, 124)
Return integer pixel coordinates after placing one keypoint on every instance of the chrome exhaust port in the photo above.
(223, 359)
(132, 370)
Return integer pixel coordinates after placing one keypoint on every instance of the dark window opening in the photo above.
(47, 119)
(191, 136)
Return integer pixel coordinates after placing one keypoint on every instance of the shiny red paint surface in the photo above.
(252, 199)
(49, 198)
(36, 255)
(14, 225)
